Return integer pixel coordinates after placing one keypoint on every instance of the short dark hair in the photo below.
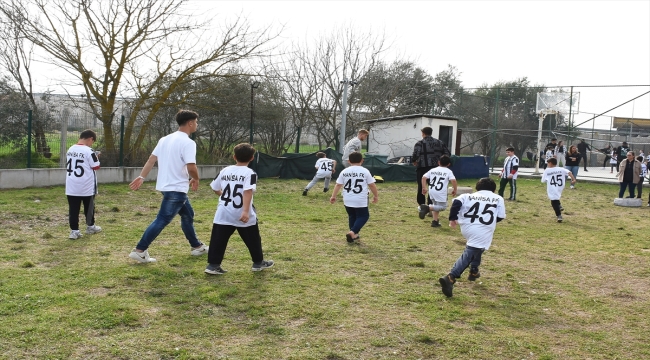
(510, 149)
(486, 183)
(88, 134)
(552, 161)
(553, 139)
(444, 160)
(355, 157)
(244, 152)
(320, 154)
(427, 131)
(640, 158)
(183, 116)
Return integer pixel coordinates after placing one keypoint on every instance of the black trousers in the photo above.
(219, 241)
(556, 206)
(74, 206)
(419, 173)
(584, 156)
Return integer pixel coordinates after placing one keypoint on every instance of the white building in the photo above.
(396, 136)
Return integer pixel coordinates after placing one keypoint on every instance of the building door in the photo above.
(445, 135)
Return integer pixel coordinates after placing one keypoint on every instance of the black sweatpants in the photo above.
(219, 241)
(556, 206)
(74, 206)
(419, 173)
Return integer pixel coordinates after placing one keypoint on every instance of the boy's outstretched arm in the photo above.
(335, 192)
(454, 184)
(373, 188)
(453, 213)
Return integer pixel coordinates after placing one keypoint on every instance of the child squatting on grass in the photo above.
(555, 179)
(324, 169)
(355, 181)
(478, 214)
(235, 186)
(437, 180)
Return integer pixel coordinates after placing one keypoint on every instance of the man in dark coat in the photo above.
(582, 149)
(426, 154)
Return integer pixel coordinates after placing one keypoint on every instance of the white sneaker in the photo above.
(75, 234)
(200, 250)
(142, 257)
(93, 229)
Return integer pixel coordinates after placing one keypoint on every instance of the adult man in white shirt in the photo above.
(176, 157)
(354, 145)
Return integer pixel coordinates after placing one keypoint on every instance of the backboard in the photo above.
(560, 102)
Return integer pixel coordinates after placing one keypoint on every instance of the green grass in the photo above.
(574, 290)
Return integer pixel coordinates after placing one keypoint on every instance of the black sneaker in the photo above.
(559, 218)
(447, 285)
(435, 223)
(263, 265)
(214, 270)
(326, 190)
(473, 275)
(423, 210)
(561, 208)
(304, 192)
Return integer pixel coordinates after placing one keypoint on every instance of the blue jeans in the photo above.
(172, 203)
(357, 217)
(624, 185)
(573, 169)
(471, 257)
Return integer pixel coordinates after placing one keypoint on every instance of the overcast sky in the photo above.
(555, 43)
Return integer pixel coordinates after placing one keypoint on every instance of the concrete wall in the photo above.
(24, 178)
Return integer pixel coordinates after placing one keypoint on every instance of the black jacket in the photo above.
(428, 151)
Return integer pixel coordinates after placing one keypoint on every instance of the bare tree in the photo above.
(141, 48)
(16, 57)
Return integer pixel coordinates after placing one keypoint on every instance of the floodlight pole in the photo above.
(344, 109)
(542, 114)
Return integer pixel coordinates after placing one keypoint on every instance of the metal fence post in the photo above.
(298, 140)
(29, 139)
(494, 131)
(121, 160)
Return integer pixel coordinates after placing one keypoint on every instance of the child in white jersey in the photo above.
(436, 181)
(324, 169)
(477, 214)
(509, 174)
(555, 179)
(355, 181)
(235, 186)
(81, 183)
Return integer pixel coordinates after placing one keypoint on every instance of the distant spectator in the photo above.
(621, 153)
(583, 147)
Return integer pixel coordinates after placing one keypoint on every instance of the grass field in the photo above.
(575, 290)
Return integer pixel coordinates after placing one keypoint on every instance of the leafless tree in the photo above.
(143, 49)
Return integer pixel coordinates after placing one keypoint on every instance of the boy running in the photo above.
(355, 181)
(437, 180)
(554, 177)
(324, 169)
(478, 214)
(235, 185)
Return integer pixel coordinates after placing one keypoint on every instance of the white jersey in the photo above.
(353, 145)
(555, 179)
(438, 179)
(549, 155)
(174, 152)
(478, 217)
(81, 179)
(325, 167)
(508, 164)
(232, 182)
(355, 181)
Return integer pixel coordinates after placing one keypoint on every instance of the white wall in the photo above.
(397, 137)
(24, 178)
